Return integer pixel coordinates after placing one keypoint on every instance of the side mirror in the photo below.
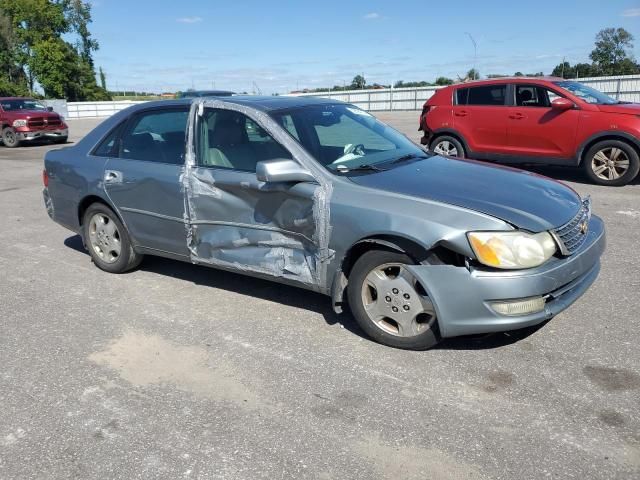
(49, 109)
(562, 104)
(282, 170)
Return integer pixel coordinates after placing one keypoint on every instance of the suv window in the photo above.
(156, 136)
(485, 95)
(229, 139)
(534, 96)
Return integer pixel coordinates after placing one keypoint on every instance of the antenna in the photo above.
(475, 55)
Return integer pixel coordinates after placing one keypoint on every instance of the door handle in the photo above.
(112, 176)
(516, 116)
(461, 113)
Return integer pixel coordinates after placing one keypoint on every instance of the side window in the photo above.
(229, 139)
(533, 96)
(156, 136)
(461, 96)
(487, 95)
(109, 145)
(287, 123)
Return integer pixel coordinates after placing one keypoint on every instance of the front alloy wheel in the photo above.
(392, 302)
(389, 303)
(10, 138)
(611, 162)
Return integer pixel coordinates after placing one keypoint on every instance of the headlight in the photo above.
(512, 250)
(19, 123)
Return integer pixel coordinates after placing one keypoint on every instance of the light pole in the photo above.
(475, 55)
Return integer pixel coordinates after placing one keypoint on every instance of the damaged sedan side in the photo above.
(320, 194)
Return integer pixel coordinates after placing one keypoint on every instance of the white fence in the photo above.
(97, 109)
(625, 88)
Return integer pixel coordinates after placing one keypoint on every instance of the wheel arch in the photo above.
(89, 200)
(418, 252)
(607, 135)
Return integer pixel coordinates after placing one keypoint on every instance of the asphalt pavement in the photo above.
(180, 371)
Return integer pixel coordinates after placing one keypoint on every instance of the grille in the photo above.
(54, 121)
(572, 234)
(36, 122)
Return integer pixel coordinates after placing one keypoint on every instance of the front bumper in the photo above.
(29, 135)
(461, 297)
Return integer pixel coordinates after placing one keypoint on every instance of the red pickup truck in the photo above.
(25, 119)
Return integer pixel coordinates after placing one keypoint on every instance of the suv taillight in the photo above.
(45, 178)
(423, 115)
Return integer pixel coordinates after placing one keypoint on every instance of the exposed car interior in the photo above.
(229, 139)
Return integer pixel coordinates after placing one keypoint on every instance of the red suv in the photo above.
(24, 120)
(536, 121)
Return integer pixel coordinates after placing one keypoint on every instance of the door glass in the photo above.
(229, 139)
(533, 96)
(461, 96)
(108, 147)
(157, 136)
(487, 95)
(287, 123)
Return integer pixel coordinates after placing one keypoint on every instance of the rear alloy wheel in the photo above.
(390, 304)
(108, 241)
(447, 146)
(10, 138)
(611, 162)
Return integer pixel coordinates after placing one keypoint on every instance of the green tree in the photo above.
(39, 49)
(444, 81)
(79, 16)
(103, 80)
(612, 52)
(358, 82)
(473, 74)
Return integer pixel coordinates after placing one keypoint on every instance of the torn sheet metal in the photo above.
(235, 221)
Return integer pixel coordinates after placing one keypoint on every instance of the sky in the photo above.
(280, 45)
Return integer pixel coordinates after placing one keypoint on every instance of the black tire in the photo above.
(589, 163)
(127, 258)
(9, 138)
(61, 140)
(368, 262)
(454, 142)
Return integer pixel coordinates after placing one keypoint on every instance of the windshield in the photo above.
(343, 137)
(21, 104)
(588, 94)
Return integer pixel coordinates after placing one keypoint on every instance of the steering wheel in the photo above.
(351, 151)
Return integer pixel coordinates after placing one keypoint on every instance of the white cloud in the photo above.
(371, 16)
(189, 19)
(631, 12)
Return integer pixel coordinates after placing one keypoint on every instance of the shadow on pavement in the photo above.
(295, 297)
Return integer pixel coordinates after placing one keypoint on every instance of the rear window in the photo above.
(485, 95)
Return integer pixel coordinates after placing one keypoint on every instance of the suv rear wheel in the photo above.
(611, 162)
(447, 146)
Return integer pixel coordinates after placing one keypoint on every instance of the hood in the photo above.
(15, 114)
(628, 108)
(527, 200)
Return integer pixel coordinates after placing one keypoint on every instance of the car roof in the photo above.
(263, 103)
(521, 79)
